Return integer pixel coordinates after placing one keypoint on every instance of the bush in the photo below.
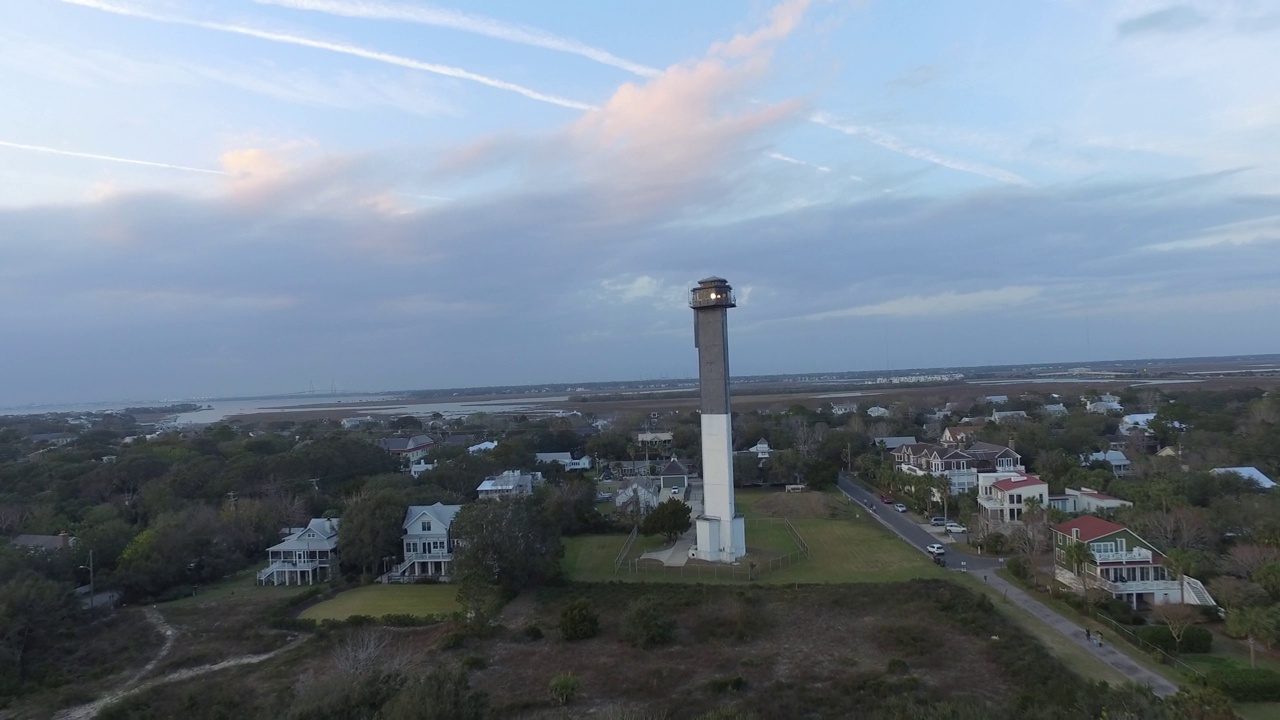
(1120, 611)
(532, 632)
(1195, 640)
(1017, 567)
(474, 662)
(578, 621)
(1246, 684)
(727, 684)
(647, 624)
(453, 641)
(897, 666)
(564, 687)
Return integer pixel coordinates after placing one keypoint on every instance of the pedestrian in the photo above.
(1099, 638)
(1088, 635)
(984, 577)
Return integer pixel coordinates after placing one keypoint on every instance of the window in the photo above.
(1104, 547)
(426, 526)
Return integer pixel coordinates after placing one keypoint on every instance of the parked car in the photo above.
(935, 550)
(939, 521)
(886, 499)
(956, 528)
(675, 491)
(900, 507)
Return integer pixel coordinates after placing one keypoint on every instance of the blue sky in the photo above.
(210, 198)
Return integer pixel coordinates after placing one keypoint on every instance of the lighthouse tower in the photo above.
(721, 532)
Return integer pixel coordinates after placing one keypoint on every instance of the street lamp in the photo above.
(89, 567)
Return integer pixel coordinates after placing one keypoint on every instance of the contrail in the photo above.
(889, 142)
(352, 50)
(94, 156)
(476, 24)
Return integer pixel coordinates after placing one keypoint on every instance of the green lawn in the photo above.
(850, 548)
(379, 600)
(1229, 652)
(243, 582)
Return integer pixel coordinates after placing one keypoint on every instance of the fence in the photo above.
(1132, 638)
(751, 570)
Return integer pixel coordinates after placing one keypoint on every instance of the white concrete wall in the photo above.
(717, 488)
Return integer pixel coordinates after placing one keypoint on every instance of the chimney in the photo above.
(64, 539)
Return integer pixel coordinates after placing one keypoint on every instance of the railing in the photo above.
(1139, 555)
(1138, 586)
(423, 557)
(626, 549)
(278, 565)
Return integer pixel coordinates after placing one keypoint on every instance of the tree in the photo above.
(1255, 624)
(1079, 555)
(508, 543)
(1177, 618)
(670, 519)
(1268, 576)
(1234, 593)
(578, 621)
(34, 611)
(1200, 703)
(371, 530)
(1178, 561)
(1032, 536)
(444, 694)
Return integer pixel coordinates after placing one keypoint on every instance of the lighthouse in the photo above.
(721, 532)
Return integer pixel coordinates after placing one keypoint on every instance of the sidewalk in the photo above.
(1107, 654)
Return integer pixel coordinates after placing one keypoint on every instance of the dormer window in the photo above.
(426, 526)
(1075, 533)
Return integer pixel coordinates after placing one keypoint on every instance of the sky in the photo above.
(212, 198)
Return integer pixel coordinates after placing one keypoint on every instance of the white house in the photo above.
(1248, 473)
(509, 483)
(420, 467)
(1120, 464)
(996, 399)
(483, 447)
(654, 438)
(1008, 416)
(877, 412)
(1055, 409)
(352, 423)
(639, 497)
(761, 449)
(428, 547)
(565, 460)
(843, 408)
(1104, 406)
(1087, 501)
(1002, 496)
(407, 450)
(306, 556)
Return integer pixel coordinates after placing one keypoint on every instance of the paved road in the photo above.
(911, 532)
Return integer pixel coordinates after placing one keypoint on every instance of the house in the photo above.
(1248, 473)
(960, 465)
(508, 484)
(1002, 496)
(1122, 564)
(1086, 501)
(1055, 409)
(673, 480)
(996, 399)
(1120, 465)
(307, 555)
(44, 543)
(877, 412)
(565, 460)
(55, 439)
(893, 443)
(843, 408)
(407, 450)
(420, 467)
(483, 447)
(428, 547)
(957, 435)
(761, 449)
(1104, 404)
(999, 416)
(353, 423)
(639, 497)
(654, 439)
(632, 468)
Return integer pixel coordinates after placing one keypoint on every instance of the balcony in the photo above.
(1136, 555)
(426, 556)
(1138, 586)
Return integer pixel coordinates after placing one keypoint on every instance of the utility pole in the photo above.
(92, 593)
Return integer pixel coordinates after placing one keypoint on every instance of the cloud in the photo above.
(889, 142)
(1234, 234)
(1173, 19)
(792, 161)
(341, 48)
(939, 305)
(477, 24)
(108, 158)
(643, 288)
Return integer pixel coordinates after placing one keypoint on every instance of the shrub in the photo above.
(452, 641)
(578, 621)
(897, 666)
(647, 624)
(564, 687)
(532, 632)
(1194, 640)
(727, 684)
(1246, 684)
(1017, 567)
(474, 662)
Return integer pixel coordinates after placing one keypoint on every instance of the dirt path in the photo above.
(133, 684)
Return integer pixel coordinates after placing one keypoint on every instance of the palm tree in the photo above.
(1252, 623)
(1178, 561)
(1078, 555)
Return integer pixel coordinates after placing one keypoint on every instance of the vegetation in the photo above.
(647, 624)
(564, 688)
(669, 519)
(578, 621)
(382, 600)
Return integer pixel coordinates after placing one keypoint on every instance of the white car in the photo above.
(935, 549)
(956, 528)
(675, 491)
(900, 507)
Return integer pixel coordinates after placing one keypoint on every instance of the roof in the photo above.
(1091, 527)
(1017, 483)
(1251, 473)
(486, 445)
(43, 542)
(896, 441)
(439, 512)
(674, 467)
(325, 528)
(997, 398)
(402, 445)
(554, 456)
(1111, 456)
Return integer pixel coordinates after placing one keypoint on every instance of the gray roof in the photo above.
(43, 542)
(439, 512)
(1249, 473)
(898, 441)
(674, 467)
(325, 529)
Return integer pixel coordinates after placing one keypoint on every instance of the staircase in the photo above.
(1195, 593)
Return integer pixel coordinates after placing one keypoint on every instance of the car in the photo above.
(939, 521)
(900, 507)
(936, 550)
(956, 528)
(675, 491)
(886, 499)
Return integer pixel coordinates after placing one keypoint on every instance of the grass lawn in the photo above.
(379, 600)
(1228, 653)
(243, 582)
(846, 545)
